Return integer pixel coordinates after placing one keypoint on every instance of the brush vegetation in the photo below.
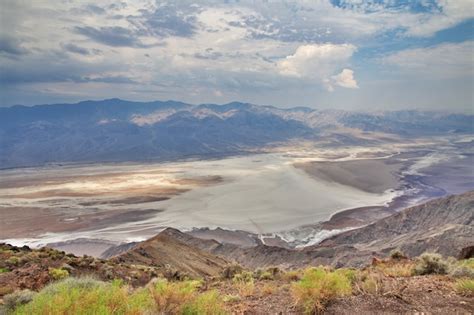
(318, 286)
(307, 291)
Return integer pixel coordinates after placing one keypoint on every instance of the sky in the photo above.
(342, 54)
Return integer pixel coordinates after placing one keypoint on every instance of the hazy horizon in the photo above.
(466, 111)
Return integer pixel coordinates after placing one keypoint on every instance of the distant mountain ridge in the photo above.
(119, 130)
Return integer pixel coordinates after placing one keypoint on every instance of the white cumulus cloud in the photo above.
(319, 62)
(345, 79)
(315, 61)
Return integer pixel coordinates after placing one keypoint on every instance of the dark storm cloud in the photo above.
(11, 46)
(112, 36)
(76, 49)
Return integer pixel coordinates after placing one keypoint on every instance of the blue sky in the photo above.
(368, 55)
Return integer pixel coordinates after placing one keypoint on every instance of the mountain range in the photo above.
(119, 130)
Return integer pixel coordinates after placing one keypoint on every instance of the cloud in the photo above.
(167, 20)
(319, 63)
(315, 60)
(441, 61)
(11, 46)
(75, 49)
(116, 36)
(449, 14)
(345, 79)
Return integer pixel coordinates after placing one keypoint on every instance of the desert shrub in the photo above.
(244, 283)
(468, 263)
(76, 296)
(460, 271)
(317, 287)
(208, 303)
(171, 297)
(230, 271)
(244, 276)
(15, 299)
(266, 276)
(397, 254)
(3, 270)
(13, 261)
(462, 268)
(58, 273)
(291, 275)
(465, 287)
(430, 263)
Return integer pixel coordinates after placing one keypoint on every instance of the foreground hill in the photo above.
(118, 130)
(391, 286)
(167, 250)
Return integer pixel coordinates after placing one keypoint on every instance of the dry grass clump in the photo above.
(397, 254)
(318, 286)
(430, 263)
(244, 283)
(370, 282)
(15, 299)
(169, 297)
(268, 289)
(399, 269)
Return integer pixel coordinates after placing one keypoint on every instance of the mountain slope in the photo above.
(443, 225)
(118, 130)
(167, 251)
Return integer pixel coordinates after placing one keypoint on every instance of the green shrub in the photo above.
(462, 268)
(58, 273)
(208, 303)
(15, 299)
(465, 287)
(430, 263)
(3, 270)
(317, 287)
(78, 296)
(13, 261)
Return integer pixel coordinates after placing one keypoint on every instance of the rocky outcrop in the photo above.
(444, 225)
(169, 251)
